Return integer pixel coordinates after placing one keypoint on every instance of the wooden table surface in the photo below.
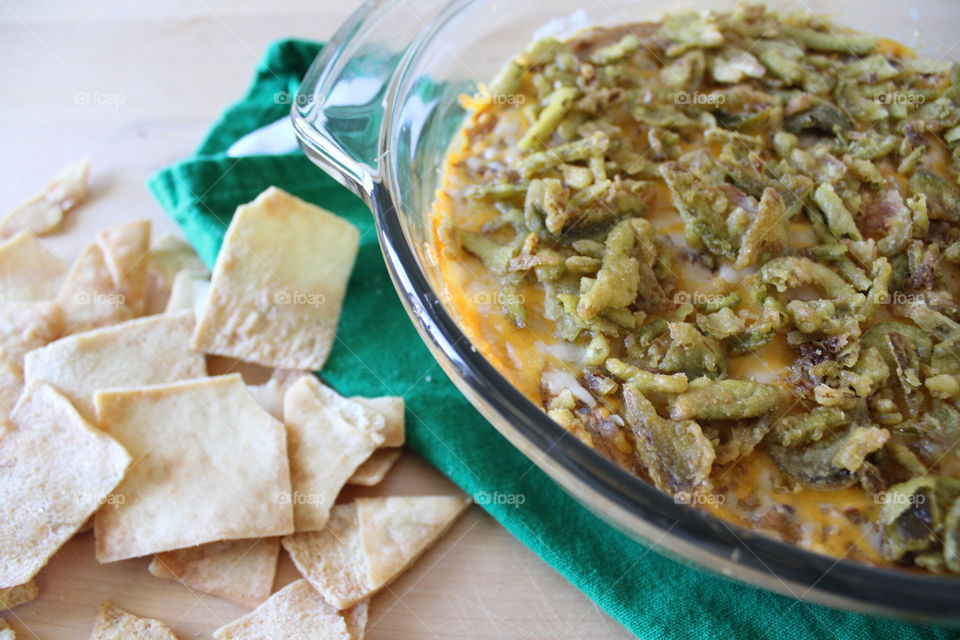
(134, 86)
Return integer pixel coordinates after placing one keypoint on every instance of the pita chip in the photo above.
(188, 292)
(278, 284)
(113, 623)
(6, 631)
(107, 283)
(145, 351)
(11, 597)
(211, 465)
(28, 271)
(342, 563)
(44, 213)
(396, 530)
(11, 384)
(241, 571)
(296, 611)
(356, 618)
(375, 468)
(392, 408)
(170, 256)
(25, 326)
(57, 470)
(270, 393)
(329, 438)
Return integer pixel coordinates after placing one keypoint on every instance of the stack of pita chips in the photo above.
(108, 412)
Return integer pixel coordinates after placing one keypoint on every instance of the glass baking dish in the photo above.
(378, 110)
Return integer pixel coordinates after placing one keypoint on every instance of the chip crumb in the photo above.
(11, 597)
(44, 212)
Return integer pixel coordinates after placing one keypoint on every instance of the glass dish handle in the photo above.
(340, 107)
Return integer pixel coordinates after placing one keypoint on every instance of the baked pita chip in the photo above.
(332, 560)
(296, 611)
(170, 256)
(278, 284)
(397, 529)
(270, 393)
(113, 623)
(11, 384)
(342, 563)
(189, 292)
(145, 351)
(44, 213)
(329, 438)
(356, 618)
(392, 408)
(28, 271)
(11, 597)
(57, 470)
(6, 631)
(25, 326)
(211, 465)
(375, 468)
(241, 571)
(108, 281)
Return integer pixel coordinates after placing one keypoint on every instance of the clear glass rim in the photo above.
(637, 508)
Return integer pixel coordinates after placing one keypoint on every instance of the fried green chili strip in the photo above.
(800, 429)
(614, 52)
(578, 150)
(839, 218)
(558, 103)
(645, 381)
(676, 454)
(792, 271)
(856, 44)
(698, 210)
(723, 400)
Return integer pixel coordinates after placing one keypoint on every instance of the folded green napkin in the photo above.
(379, 353)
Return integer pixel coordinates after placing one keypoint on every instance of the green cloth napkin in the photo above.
(378, 352)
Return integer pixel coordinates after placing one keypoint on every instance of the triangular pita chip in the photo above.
(44, 213)
(108, 281)
(332, 560)
(113, 623)
(211, 465)
(170, 256)
(296, 611)
(329, 437)
(11, 384)
(6, 631)
(375, 468)
(56, 471)
(151, 350)
(270, 393)
(189, 292)
(238, 570)
(397, 529)
(15, 596)
(278, 284)
(356, 618)
(28, 271)
(392, 409)
(25, 326)
(336, 560)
